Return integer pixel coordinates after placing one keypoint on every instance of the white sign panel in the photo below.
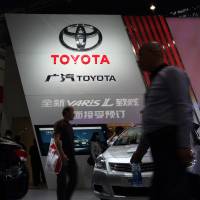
(81, 60)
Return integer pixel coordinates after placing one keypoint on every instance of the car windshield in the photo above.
(129, 136)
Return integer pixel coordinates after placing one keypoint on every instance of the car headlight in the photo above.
(100, 163)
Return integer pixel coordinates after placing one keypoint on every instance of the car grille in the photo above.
(147, 167)
(126, 167)
(121, 167)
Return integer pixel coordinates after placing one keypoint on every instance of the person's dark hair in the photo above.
(94, 137)
(66, 110)
(119, 130)
(153, 47)
(8, 132)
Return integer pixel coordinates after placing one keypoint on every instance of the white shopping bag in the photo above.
(53, 162)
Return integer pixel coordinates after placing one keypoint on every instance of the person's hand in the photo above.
(136, 157)
(64, 157)
(185, 155)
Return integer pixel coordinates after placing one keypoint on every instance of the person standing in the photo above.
(95, 146)
(64, 139)
(167, 122)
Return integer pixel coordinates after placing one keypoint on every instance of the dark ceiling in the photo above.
(135, 7)
(168, 8)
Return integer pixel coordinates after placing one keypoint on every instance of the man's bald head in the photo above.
(150, 56)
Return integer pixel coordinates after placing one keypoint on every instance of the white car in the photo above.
(112, 177)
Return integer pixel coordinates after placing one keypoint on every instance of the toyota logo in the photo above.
(80, 37)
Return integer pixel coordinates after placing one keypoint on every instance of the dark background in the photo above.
(167, 8)
(135, 7)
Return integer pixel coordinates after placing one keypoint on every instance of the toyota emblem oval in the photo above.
(80, 37)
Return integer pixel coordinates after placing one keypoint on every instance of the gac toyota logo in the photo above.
(80, 37)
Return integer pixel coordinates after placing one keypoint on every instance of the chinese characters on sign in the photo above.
(79, 78)
(106, 108)
(50, 103)
(127, 102)
(108, 114)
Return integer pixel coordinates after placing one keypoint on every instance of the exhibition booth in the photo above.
(90, 62)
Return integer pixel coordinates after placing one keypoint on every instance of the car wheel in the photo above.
(18, 185)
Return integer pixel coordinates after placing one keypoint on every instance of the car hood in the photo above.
(124, 154)
(5, 141)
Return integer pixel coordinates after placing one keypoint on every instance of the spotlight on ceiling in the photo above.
(152, 7)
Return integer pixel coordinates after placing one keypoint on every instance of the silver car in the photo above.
(112, 178)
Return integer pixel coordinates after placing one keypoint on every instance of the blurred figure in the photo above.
(195, 175)
(167, 122)
(8, 135)
(196, 147)
(104, 141)
(64, 139)
(37, 171)
(95, 146)
(109, 133)
(17, 139)
(113, 138)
